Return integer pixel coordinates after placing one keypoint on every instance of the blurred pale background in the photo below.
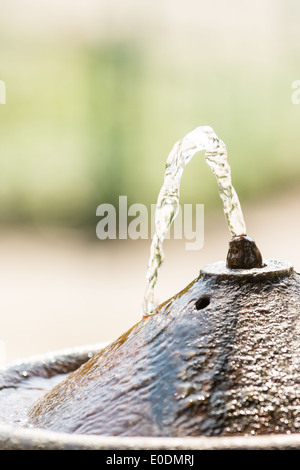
(98, 91)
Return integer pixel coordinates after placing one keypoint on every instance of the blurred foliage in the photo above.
(87, 122)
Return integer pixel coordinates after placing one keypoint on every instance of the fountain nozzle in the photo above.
(243, 253)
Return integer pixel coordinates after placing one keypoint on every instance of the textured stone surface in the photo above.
(219, 358)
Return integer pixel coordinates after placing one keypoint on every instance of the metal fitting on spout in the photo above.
(243, 254)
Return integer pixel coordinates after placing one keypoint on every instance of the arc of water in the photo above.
(201, 138)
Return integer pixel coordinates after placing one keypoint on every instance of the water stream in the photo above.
(200, 139)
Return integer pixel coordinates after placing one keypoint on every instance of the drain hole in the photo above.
(202, 302)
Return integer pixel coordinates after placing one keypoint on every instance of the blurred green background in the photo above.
(99, 91)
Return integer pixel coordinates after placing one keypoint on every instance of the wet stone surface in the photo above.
(24, 381)
(220, 358)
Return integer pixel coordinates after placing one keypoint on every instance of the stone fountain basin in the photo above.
(23, 381)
